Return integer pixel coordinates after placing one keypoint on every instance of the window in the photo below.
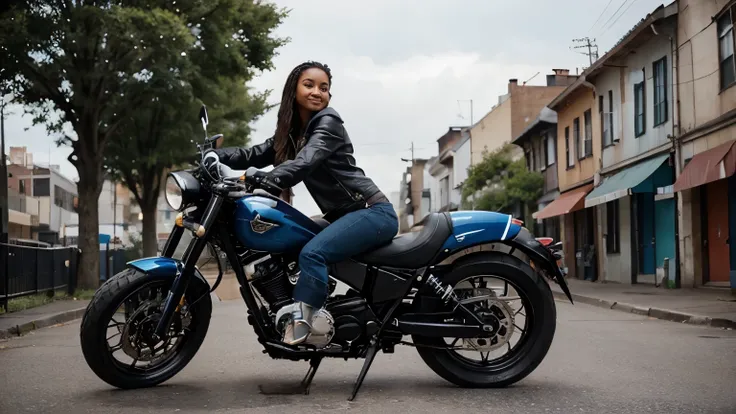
(613, 244)
(576, 137)
(660, 91)
(528, 154)
(551, 146)
(610, 116)
(588, 144)
(726, 46)
(568, 153)
(41, 187)
(639, 109)
(602, 114)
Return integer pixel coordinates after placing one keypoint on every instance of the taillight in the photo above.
(546, 241)
(517, 222)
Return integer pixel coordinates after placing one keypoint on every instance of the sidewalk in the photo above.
(22, 322)
(704, 306)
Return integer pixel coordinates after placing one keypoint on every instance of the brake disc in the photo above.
(492, 308)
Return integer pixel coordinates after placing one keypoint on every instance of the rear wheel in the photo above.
(521, 305)
(117, 330)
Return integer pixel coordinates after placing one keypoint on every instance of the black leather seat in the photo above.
(415, 249)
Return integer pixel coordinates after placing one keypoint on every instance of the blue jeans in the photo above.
(352, 234)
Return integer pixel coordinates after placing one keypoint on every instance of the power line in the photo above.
(620, 16)
(615, 13)
(600, 15)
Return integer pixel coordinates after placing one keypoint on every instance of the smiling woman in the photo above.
(311, 145)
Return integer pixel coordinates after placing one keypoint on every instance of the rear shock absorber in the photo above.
(445, 292)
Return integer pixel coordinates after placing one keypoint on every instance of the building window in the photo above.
(639, 109)
(576, 137)
(726, 46)
(588, 144)
(610, 116)
(602, 115)
(550, 146)
(660, 91)
(568, 152)
(528, 154)
(41, 187)
(613, 243)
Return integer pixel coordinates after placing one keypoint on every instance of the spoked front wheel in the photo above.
(511, 297)
(117, 331)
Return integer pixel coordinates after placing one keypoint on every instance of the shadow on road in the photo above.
(249, 393)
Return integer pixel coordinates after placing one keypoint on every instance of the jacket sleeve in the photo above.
(327, 137)
(258, 156)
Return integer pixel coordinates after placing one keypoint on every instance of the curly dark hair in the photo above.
(288, 119)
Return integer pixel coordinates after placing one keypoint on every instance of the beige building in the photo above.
(514, 112)
(705, 150)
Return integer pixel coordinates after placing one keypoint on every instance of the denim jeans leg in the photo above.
(350, 235)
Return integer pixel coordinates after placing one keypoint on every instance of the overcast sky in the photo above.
(401, 66)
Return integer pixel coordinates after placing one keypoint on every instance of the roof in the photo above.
(657, 14)
(546, 117)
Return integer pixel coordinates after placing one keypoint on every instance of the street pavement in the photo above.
(601, 361)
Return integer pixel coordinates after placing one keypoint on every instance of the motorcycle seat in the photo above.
(409, 250)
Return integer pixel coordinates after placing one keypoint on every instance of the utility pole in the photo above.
(4, 248)
(587, 43)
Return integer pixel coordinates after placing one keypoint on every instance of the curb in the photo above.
(43, 322)
(658, 313)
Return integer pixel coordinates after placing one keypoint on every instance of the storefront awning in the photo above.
(708, 166)
(567, 203)
(622, 183)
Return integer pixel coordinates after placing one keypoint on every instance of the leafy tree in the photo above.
(84, 63)
(502, 183)
(157, 139)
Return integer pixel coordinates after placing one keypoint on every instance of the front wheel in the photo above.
(117, 327)
(521, 305)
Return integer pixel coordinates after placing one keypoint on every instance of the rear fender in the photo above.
(470, 228)
(475, 228)
(166, 266)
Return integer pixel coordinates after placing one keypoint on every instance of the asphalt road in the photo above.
(602, 361)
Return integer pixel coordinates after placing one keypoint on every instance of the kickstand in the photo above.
(369, 357)
(307, 381)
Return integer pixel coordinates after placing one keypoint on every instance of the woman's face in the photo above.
(313, 90)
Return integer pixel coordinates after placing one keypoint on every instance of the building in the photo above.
(513, 113)
(445, 194)
(706, 152)
(55, 199)
(21, 156)
(415, 191)
(578, 158)
(633, 199)
(539, 143)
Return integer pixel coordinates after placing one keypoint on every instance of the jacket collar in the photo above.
(329, 111)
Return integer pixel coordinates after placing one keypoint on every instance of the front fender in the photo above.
(167, 266)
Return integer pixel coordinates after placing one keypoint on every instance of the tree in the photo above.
(502, 183)
(80, 63)
(157, 139)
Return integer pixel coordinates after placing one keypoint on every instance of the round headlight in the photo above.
(173, 193)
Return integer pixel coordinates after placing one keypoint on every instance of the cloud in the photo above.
(405, 70)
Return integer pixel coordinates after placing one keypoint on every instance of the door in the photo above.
(717, 242)
(645, 209)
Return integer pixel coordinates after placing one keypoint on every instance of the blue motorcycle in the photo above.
(470, 288)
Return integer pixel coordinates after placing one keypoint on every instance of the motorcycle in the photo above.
(431, 285)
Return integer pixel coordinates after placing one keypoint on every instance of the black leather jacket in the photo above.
(325, 164)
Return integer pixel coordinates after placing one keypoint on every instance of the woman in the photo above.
(311, 145)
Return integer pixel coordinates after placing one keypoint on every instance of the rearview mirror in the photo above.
(203, 117)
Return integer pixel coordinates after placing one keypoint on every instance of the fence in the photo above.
(33, 270)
